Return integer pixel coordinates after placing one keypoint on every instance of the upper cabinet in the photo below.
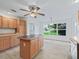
(18, 24)
(21, 27)
(12, 23)
(4, 22)
(8, 22)
(0, 21)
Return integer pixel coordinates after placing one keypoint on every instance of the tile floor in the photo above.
(51, 50)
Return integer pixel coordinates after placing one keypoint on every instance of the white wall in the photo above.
(68, 17)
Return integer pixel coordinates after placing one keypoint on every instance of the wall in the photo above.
(69, 17)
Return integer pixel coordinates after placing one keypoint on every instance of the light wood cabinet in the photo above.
(41, 42)
(21, 27)
(4, 22)
(33, 47)
(0, 21)
(30, 47)
(8, 22)
(4, 43)
(25, 47)
(12, 23)
(8, 42)
(14, 41)
(1, 43)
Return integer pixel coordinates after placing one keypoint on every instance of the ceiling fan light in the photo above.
(33, 14)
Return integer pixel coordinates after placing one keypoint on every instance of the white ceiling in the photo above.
(49, 7)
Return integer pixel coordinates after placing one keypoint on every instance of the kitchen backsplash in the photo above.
(5, 31)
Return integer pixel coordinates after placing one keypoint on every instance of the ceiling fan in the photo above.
(33, 11)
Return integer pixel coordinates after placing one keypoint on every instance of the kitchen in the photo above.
(32, 29)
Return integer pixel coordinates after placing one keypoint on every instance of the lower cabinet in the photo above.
(1, 43)
(4, 43)
(8, 42)
(14, 41)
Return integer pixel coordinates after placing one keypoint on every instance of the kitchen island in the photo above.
(30, 46)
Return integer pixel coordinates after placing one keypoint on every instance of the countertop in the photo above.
(30, 37)
(3, 35)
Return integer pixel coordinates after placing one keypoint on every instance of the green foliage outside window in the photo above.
(55, 29)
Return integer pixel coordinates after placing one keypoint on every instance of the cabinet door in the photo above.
(14, 41)
(40, 43)
(6, 42)
(1, 44)
(25, 49)
(37, 45)
(5, 22)
(0, 21)
(33, 47)
(12, 23)
(22, 27)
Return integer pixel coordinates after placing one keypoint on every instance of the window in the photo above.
(55, 29)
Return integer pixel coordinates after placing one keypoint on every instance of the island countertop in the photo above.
(30, 37)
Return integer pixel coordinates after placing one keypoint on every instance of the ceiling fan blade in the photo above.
(41, 14)
(13, 10)
(38, 8)
(24, 10)
(26, 14)
(31, 7)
